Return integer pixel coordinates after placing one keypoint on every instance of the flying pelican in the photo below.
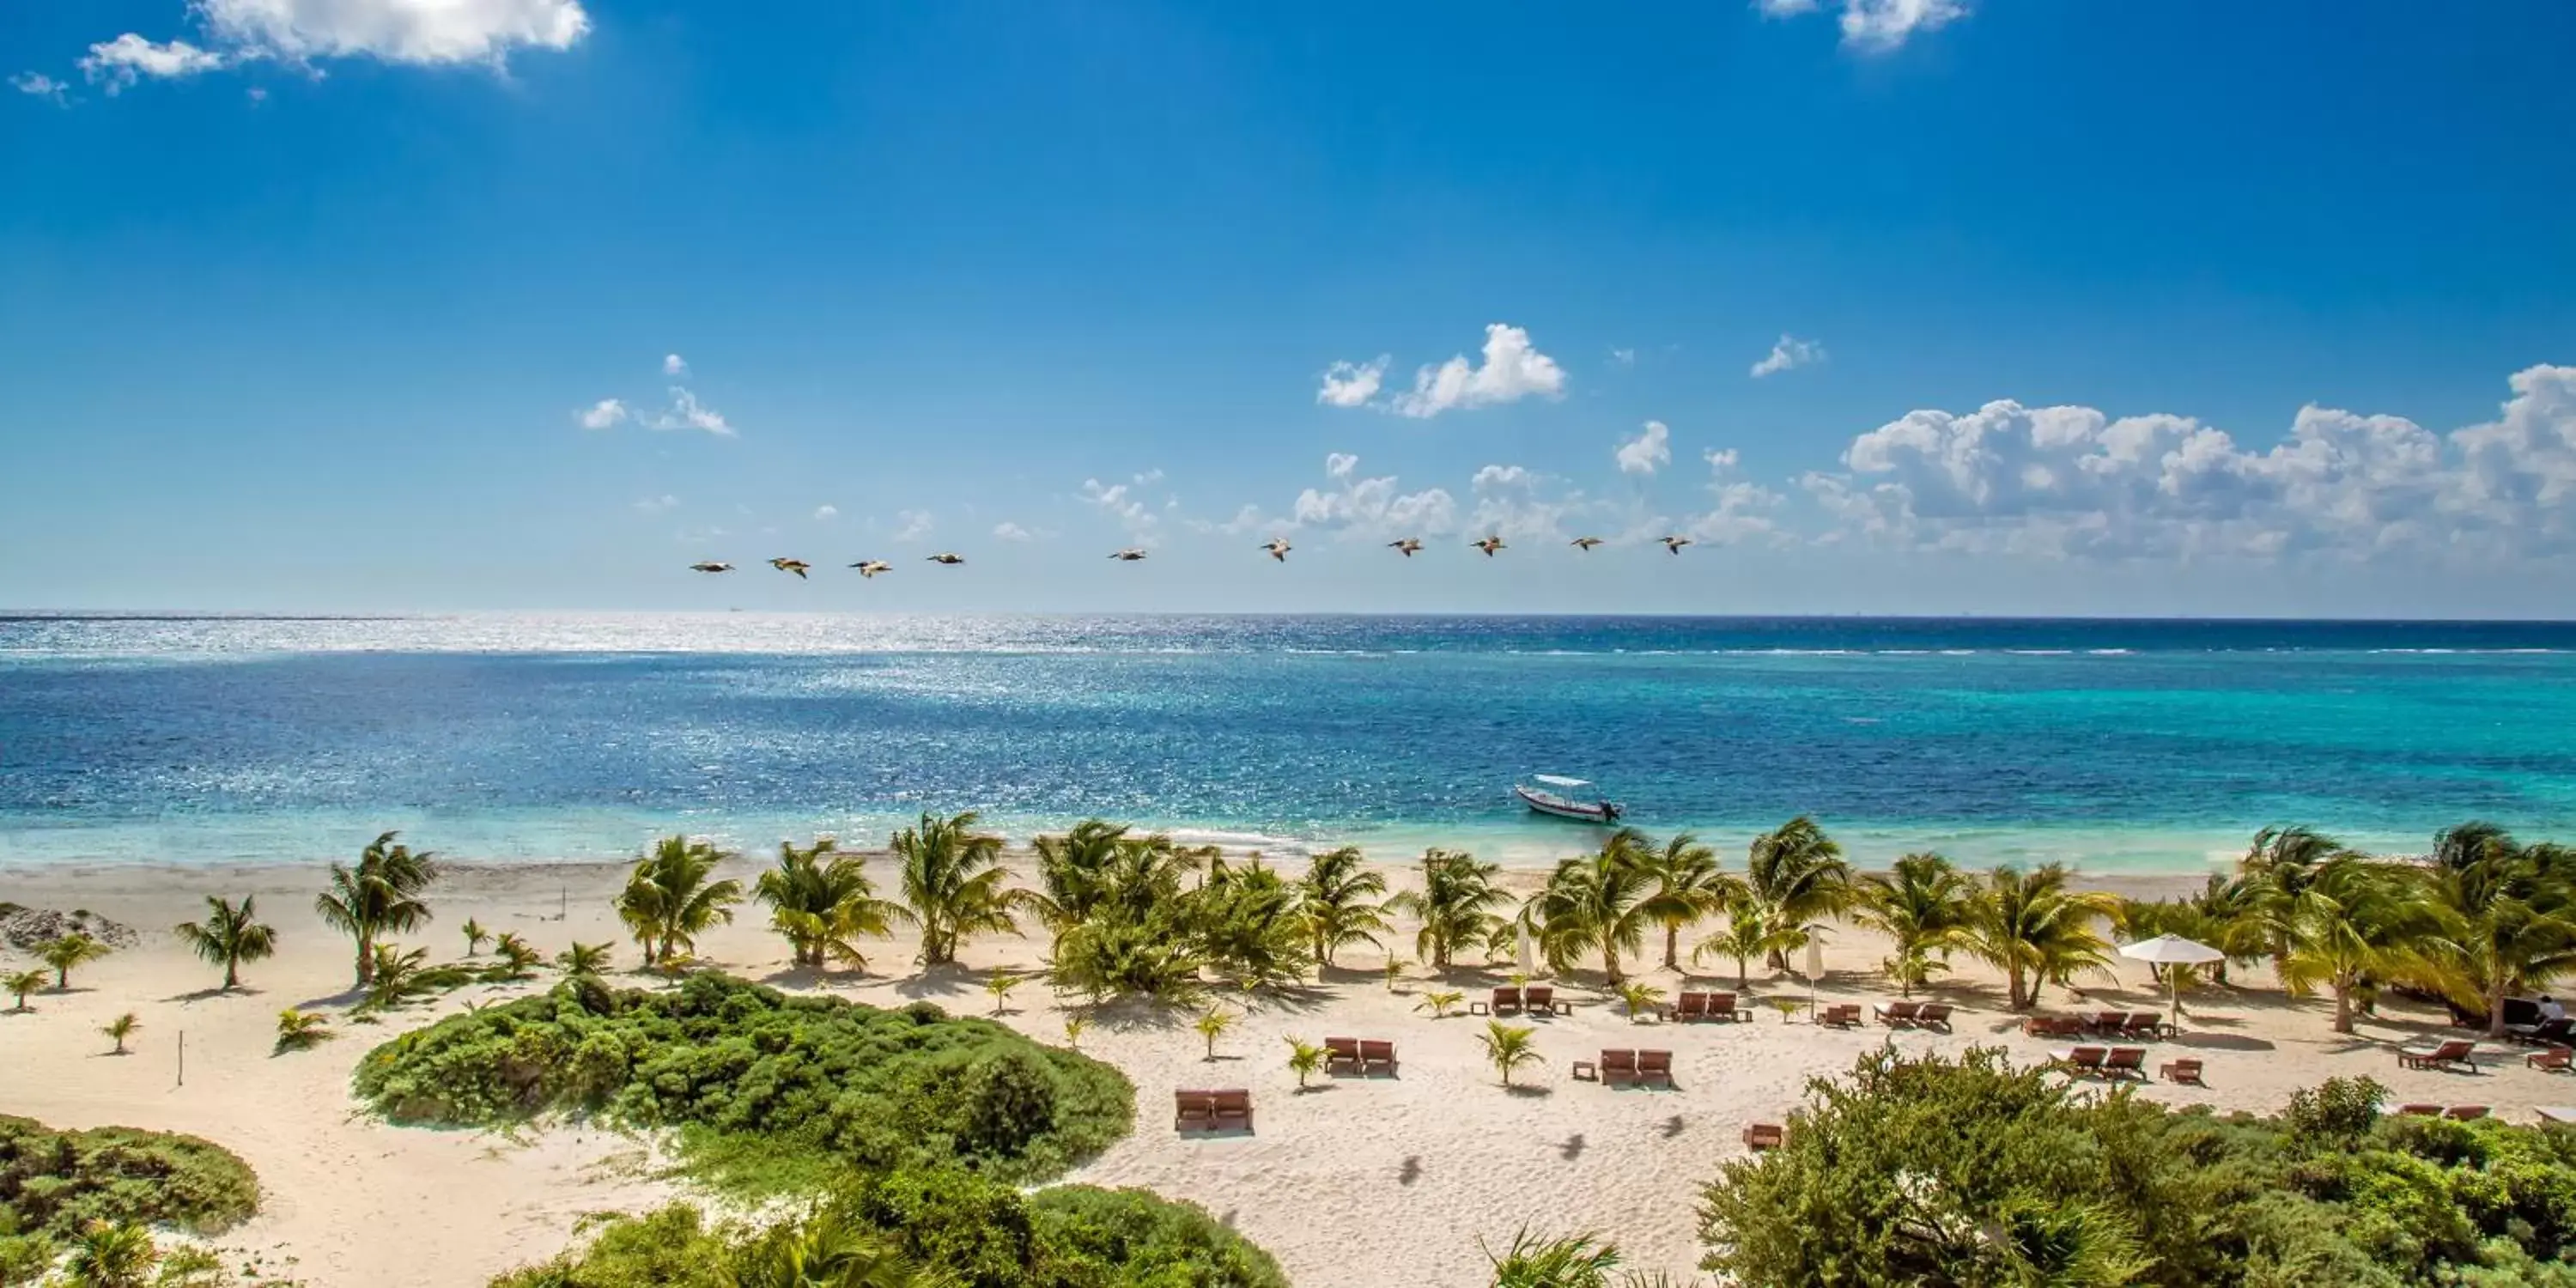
(944, 557)
(1405, 544)
(1488, 544)
(1129, 555)
(871, 567)
(1675, 544)
(711, 567)
(796, 566)
(1278, 548)
(1585, 544)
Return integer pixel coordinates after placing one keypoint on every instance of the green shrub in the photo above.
(769, 1088)
(53, 1183)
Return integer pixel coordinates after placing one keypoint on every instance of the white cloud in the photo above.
(675, 365)
(1744, 509)
(1648, 451)
(1875, 26)
(1012, 532)
(1511, 501)
(1623, 357)
(912, 525)
(688, 413)
(1372, 507)
(394, 31)
(40, 85)
(602, 414)
(1149, 478)
(118, 63)
(2074, 482)
(826, 513)
(1790, 352)
(657, 504)
(1511, 370)
(1351, 384)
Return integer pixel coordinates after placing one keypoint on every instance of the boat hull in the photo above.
(1553, 807)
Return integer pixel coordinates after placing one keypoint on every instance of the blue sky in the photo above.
(2177, 308)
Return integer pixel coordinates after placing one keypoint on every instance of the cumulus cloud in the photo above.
(674, 365)
(603, 414)
(1875, 26)
(688, 413)
(1352, 384)
(1126, 503)
(1623, 357)
(1007, 531)
(40, 85)
(2074, 481)
(1745, 510)
(826, 513)
(912, 525)
(657, 504)
(1511, 369)
(1648, 451)
(395, 31)
(1372, 507)
(1789, 353)
(120, 62)
(1514, 502)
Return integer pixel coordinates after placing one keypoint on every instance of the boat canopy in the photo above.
(1554, 780)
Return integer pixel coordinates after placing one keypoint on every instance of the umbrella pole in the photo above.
(2173, 986)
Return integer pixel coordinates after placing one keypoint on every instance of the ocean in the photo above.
(2123, 746)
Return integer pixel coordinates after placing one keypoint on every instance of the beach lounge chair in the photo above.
(2448, 1052)
(2181, 1071)
(2146, 1025)
(1844, 1016)
(2109, 1024)
(1377, 1057)
(1721, 1006)
(1233, 1108)
(1762, 1136)
(2421, 1111)
(2126, 1062)
(1655, 1066)
(1539, 1000)
(2555, 1032)
(1933, 1015)
(1193, 1109)
(1689, 1006)
(2557, 1059)
(2465, 1113)
(1618, 1066)
(1507, 1001)
(1342, 1055)
(2085, 1061)
(1896, 1014)
(2052, 1026)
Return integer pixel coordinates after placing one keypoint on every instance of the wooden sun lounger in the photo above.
(2421, 1111)
(1689, 1006)
(1193, 1109)
(2449, 1052)
(1762, 1136)
(1377, 1057)
(1896, 1014)
(1933, 1015)
(2557, 1032)
(2143, 1024)
(2465, 1113)
(1655, 1066)
(2557, 1059)
(2187, 1071)
(1721, 1006)
(1342, 1055)
(2053, 1026)
(2110, 1024)
(1540, 1000)
(1507, 1001)
(2126, 1062)
(1618, 1066)
(1233, 1108)
(1845, 1016)
(2086, 1060)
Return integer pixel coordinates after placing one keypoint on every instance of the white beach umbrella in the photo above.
(2172, 950)
(1525, 956)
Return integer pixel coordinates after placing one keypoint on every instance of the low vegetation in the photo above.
(1929, 1171)
(55, 1185)
(771, 1091)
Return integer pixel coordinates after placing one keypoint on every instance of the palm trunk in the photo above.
(2020, 1000)
(1610, 961)
(366, 958)
(1777, 961)
(1742, 975)
(232, 978)
(2495, 1009)
(2343, 1006)
(1672, 945)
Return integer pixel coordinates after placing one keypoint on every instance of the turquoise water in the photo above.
(2124, 746)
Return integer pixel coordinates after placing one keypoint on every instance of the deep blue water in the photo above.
(2118, 744)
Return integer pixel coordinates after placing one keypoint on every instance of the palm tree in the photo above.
(1639, 997)
(1081, 870)
(74, 949)
(824, 1250)
(1750, 932)
(394, 978)
(1000, 986)
(297, 1030)
(1921, 905)
(1508, 1047)
(380, 896)
(1573, 1261)
(1073, 1029)
(1440, 1002)
(1304, 1058)
(952, 882)
(2036, 930)
(668, 900)
(2510, 911)
(1455, 905)
(1213, 1024)
(2355, 922)
(822, 902)
(1343, 901)
(119, 1029)
(517, 957)
(111, 1255)
(1796, 875)
(583, 959)
(1689, 885)
(230, 935)
(21, 983)
(475, 936)
(1602, 903)
(2278, 866)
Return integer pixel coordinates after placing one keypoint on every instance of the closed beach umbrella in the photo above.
(1525, 958)
(2172, 950)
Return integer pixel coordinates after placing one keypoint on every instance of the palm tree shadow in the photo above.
(938, 982)
(202, 994)
(1671, 1127)
(1411, 1171)
(1528, 1092)
(1572, 1147)
(345, 997)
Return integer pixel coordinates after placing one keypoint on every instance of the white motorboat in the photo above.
(1574, 798)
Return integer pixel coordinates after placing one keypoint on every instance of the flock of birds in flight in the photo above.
(1277, 547)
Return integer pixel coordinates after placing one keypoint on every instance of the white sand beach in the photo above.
(1357, 1181)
